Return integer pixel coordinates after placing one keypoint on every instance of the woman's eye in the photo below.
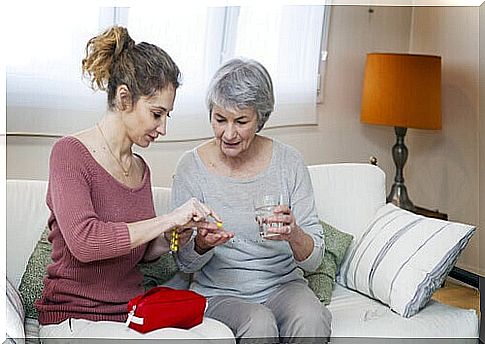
(157, 114)
(220, 120)
(242, 123)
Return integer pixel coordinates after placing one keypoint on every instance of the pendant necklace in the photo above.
(125, 172)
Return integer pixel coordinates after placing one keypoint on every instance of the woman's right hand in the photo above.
(191, 212)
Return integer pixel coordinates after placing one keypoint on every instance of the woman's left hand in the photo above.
(288, 228)
(206, 240)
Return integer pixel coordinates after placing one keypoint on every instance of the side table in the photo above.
(430, 213)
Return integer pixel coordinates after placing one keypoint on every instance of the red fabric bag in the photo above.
(163, 307)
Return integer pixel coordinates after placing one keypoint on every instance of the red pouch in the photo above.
(163, 307)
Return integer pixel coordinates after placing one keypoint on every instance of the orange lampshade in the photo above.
(402, 90)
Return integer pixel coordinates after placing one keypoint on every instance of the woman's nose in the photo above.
(162, 127)
(230, 132)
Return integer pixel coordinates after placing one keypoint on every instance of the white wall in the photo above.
(442, 168)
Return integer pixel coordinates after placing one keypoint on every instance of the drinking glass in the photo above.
(264, 207)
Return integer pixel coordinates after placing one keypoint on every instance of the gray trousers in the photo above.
(291, 314)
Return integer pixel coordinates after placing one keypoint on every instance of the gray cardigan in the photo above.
(248, 266)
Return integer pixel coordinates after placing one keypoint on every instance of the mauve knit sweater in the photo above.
(94, 273)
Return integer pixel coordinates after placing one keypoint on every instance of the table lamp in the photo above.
(403, 91)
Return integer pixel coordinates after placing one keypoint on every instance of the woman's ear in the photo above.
(123, 98)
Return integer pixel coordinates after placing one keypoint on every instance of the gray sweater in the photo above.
(248, 266)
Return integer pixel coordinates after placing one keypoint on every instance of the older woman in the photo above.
(102, 221)
(254, 285)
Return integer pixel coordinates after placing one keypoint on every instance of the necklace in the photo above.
(125, 172)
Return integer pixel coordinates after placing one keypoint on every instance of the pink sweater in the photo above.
(93, 274)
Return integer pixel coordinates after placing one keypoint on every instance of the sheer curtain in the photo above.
(45, 91)
(287, 40)
(192, 37)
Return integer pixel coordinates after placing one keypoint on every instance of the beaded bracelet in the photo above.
(174, 240)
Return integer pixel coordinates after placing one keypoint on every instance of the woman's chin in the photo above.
(143, 143)
(231, 152)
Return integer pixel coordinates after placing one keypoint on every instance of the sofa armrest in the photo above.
(15, 315)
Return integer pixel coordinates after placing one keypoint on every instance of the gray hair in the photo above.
(240, 84)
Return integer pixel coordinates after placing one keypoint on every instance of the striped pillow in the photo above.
(402, 258)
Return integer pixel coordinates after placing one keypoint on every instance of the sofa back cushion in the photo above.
(161, 199)
(347, 195)
(27, 215)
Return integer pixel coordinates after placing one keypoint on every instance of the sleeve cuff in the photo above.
(314, 259)
(189, 260)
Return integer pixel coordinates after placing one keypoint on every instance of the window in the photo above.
(45, 92)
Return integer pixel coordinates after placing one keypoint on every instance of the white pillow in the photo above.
(402, 258)
(15, 314)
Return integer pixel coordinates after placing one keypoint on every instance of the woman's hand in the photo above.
(288, 230)
(207, 239)
(190, 213)
(300, 242)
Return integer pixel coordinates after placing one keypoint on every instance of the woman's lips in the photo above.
(228, 144)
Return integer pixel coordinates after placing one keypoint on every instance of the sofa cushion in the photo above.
(322, 280)
(402, 258)
(31, 285)
(358, 319)
(158, 272)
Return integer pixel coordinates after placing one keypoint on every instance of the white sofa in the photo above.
(347, 196)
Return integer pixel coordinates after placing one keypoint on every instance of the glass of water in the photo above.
(264, 207)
